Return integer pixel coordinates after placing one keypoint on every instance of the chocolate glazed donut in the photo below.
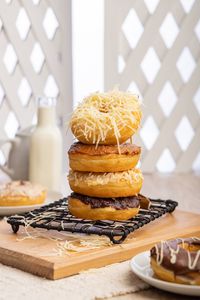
(177, 260)
(92, 208)
(117, 203)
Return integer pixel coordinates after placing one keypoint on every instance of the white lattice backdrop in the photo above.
(152, 47)
(35, 41)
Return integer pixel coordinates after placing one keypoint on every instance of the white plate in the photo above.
(12, 210)
(140, 265)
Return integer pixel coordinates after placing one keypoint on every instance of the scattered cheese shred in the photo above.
(83, 244)
(66, 243)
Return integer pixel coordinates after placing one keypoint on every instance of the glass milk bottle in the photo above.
(46, 147)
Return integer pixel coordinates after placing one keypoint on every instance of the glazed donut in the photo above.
(177, 260)
(116, 209)
(106, 118)
(88, 158)
(19, 193)
(118, 184)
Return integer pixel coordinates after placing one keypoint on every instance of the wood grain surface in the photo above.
(31, 256)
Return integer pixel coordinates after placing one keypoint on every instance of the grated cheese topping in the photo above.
(103, 114)
(90, 178)
(21, 188)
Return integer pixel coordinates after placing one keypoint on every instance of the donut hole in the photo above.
(190, 247)
(184, 246)
(194, 248)
(104, 109)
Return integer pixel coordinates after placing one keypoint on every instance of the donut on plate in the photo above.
(89, 158)
(177, 260)
(118, 184)
(106, 118)
(19, 193)
(92, 208)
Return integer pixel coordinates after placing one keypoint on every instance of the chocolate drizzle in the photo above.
(172, 255)
(117, 203)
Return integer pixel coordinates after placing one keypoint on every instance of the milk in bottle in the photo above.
(46, 147)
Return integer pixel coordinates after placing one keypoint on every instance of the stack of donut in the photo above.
(103, 176)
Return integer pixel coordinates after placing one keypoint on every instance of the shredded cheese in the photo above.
(90, 178)
(83, 244)
(104, 114)
(21, 188)
(64, 243)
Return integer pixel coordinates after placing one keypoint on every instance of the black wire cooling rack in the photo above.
(56, 216)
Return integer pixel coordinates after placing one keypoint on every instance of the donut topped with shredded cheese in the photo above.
(21, 188)
(106, 118)
(131, 176)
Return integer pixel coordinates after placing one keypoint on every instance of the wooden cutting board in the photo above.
(31, 256)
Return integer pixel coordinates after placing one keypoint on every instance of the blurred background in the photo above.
(69, 49)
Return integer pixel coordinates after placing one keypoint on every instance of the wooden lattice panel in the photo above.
(35, 59)
(153, 48)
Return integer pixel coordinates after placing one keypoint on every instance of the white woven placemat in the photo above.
(113, 280)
